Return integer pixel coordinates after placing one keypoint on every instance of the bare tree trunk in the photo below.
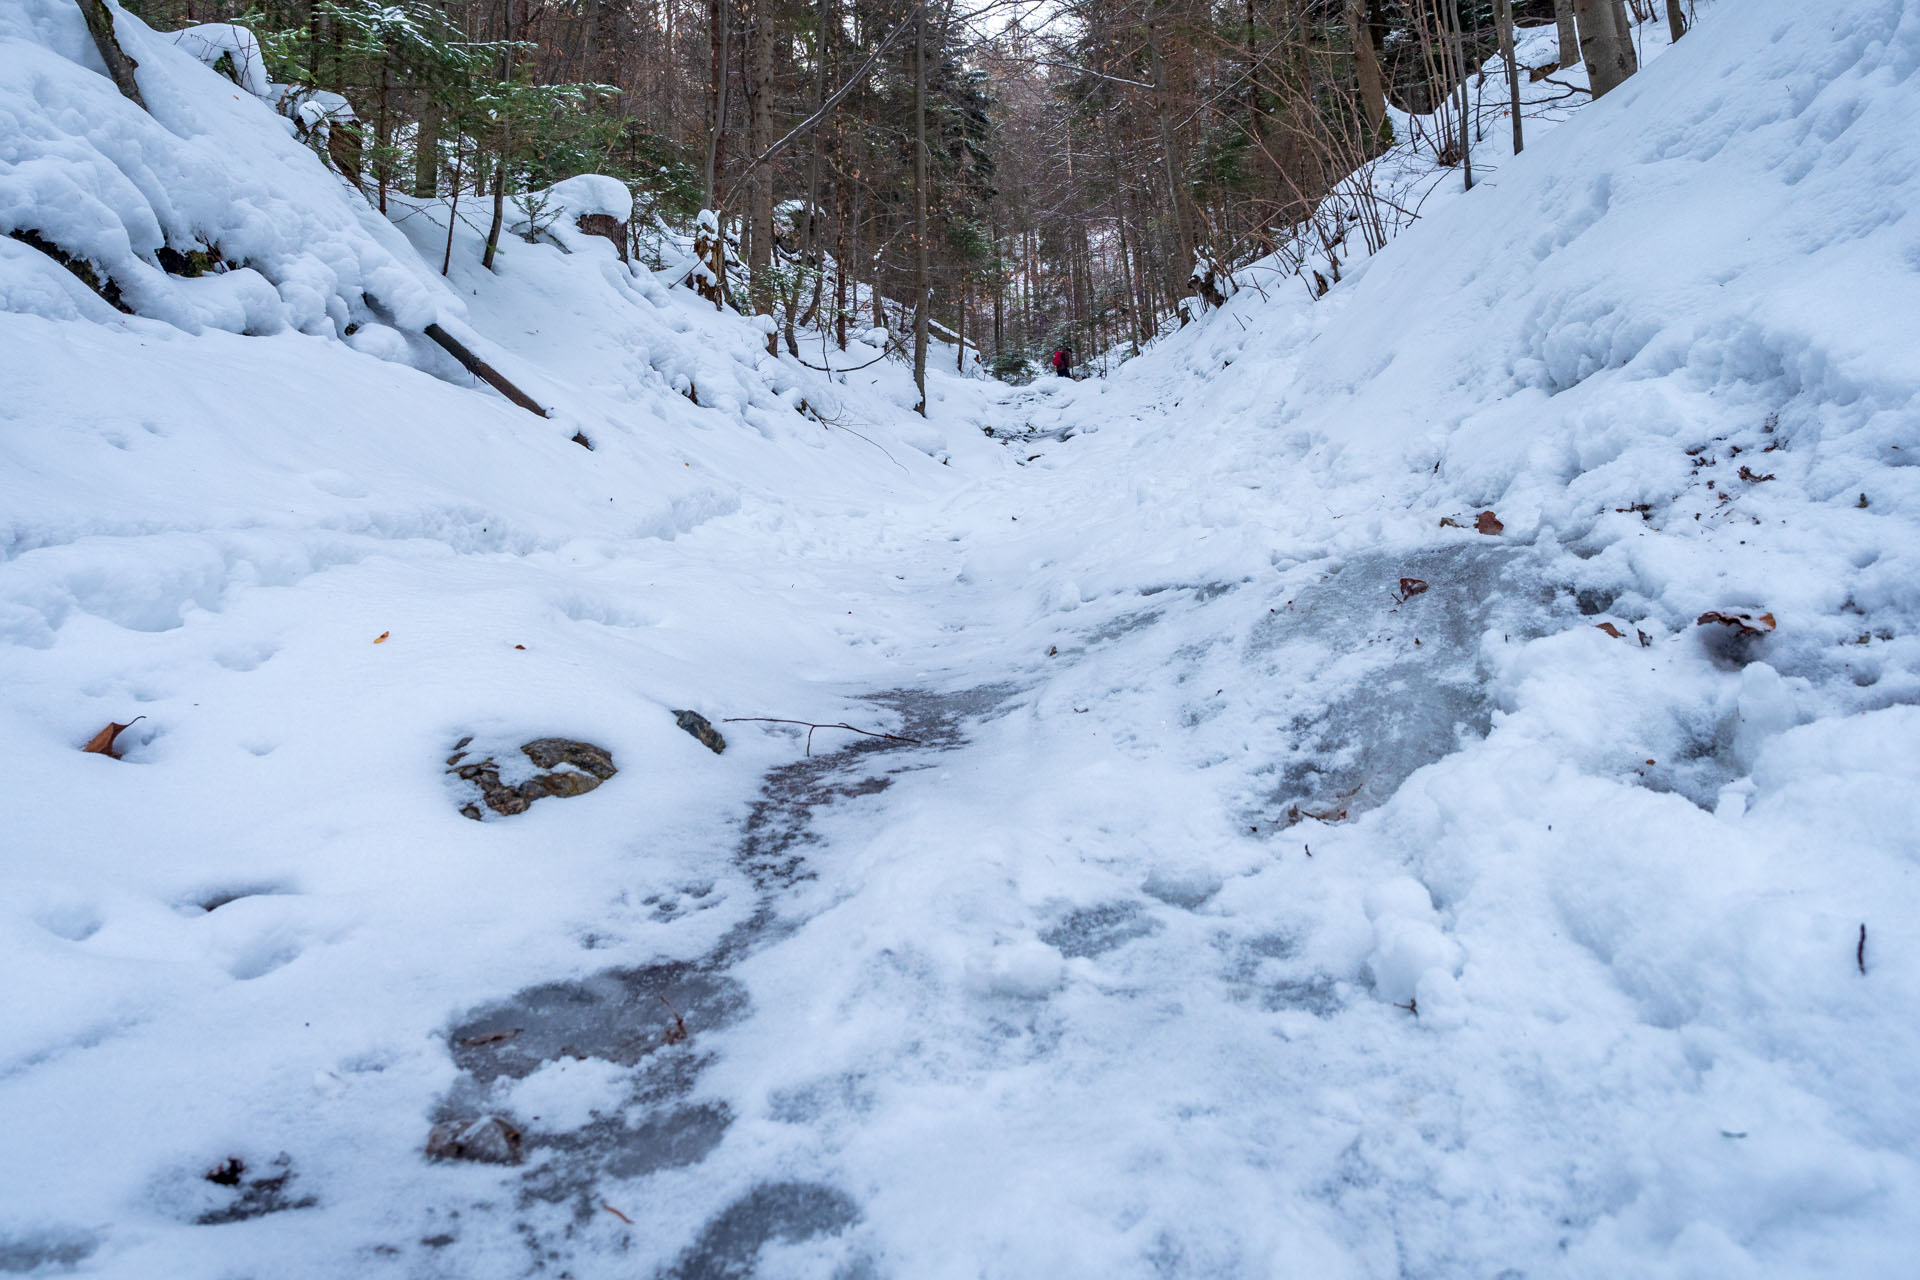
(1185, 244)
(1676, 20)
(922, 285)
(453, 209)
(119, 65)
(1569, 38)
(1460, 69)
(1623, 33)
(999, 300)
(426, 153)
(759, 140)
(1366, 62)
(1503, 18)
(383, 137)
(844, 245)
(721, 24)
(1608, 56)
(499, 213)
(813, 256)
(500, 164)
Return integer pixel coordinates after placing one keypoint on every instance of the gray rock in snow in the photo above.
(702, 728)
(567, 768)
(488, 1140)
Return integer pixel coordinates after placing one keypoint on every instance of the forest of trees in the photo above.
(1019, 172)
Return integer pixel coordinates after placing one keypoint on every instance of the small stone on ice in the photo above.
(488, 1140)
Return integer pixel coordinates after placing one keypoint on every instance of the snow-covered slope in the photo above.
(1236, 907)
(1666, 347)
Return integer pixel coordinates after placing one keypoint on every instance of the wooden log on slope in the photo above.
(485, 372)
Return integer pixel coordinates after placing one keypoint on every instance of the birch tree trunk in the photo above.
(1460, 69)
(1623, 34)
(1569, 38)
(1608, 56)
(1503, 18)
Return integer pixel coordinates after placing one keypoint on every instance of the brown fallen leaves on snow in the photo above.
(677, 1033)
(382, 637)
(1743, 621)
(101, 743)
(1486, 522)
(1410, 587)
(1610, 629)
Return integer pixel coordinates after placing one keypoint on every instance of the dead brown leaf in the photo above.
(677, 1033)
(1742, 620)
(101, 743)
(1610, 629)
(1748, 474)
(1411, 587)
(382, 637)
(1488, 523)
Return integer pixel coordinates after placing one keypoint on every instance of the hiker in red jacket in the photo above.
(1063, 361)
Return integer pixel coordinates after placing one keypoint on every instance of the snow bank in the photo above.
(209, 172)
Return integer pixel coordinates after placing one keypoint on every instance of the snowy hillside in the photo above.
(1321, 827)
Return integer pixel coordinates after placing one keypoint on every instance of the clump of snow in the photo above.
(212, 42)
(592, 193)
(1027, 970)
(1410, 952)
(89, 172)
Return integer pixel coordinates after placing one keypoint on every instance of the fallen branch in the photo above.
(485, 372)
(851, 369)
(616, 1213)
(810, 727)
(1860, 952)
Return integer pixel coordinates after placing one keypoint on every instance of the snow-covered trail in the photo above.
(1286, 877)
(1067, 987)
